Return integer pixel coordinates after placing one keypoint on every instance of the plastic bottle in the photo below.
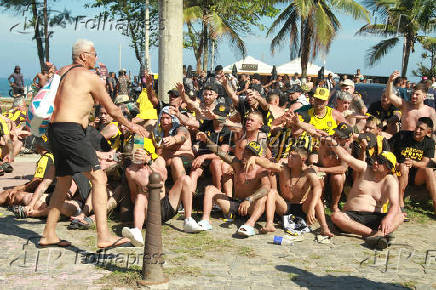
(138, 143)
(279, 240)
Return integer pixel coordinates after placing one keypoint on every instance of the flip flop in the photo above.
(60, 244)
(377, 242)
(7, 168)
(406, 217)
(19, 212)
(116, 244)
(246, 231)
(323, 239)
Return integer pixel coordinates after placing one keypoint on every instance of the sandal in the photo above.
(19, 212)
(406, 217)
(7, 168)
(246, 231)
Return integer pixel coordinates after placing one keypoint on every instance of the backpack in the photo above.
(42, 105)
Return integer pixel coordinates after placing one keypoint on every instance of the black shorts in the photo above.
(187, 163)
(369, 219)
(295, 209)
(234, 206)
(167, 212)
(72, 150)
(412, 175)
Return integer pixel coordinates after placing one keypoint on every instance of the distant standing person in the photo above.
(17, 85)
(73, 153)
(123, 87)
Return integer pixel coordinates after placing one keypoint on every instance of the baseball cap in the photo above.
(174, 92)
(256, 76)
(343, 130)
(294, 89)
(388, 158)
(322, 94)
(254, 148)
(371, 139)
(347, 82)
(221, 110)
(42, 142)
(210, 87)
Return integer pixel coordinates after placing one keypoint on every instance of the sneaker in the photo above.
(205, 225)
(191, 226)
(135, 236)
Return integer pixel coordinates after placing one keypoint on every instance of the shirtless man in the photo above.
(250, 192)
(41, 79)
(411, 110)
(173, 143)
(300, 190)
(138, 178)
(109, 129)
(78, 91)
(363, 214)
(330, 164)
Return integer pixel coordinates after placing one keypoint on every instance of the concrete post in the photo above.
(152, 271)
(170, 46)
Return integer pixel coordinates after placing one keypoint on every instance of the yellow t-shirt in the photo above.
(146, 109)
(115, 141)
(327, 123)
(4, 128)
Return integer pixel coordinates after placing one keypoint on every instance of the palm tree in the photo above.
(213, 26)
(401, 18)
(311, 26)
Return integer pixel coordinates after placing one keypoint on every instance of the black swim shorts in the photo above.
(296, 209)
(167, 212)
(369, 219)
(72, 150)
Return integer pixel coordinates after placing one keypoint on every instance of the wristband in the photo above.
(247, 199)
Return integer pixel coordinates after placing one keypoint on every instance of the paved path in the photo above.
(213, 260)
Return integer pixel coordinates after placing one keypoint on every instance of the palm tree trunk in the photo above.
(170, 46)
(46, 36)
(37, 34)
(205, 47)
(147, 64)
(408, 41)
(212, 54)
(305, 44)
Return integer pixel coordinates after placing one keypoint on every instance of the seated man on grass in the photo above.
(299, 192)
(138, 177)
(364, 212)
(250, 189)
(414, 150)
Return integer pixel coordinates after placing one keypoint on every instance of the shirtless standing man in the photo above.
(251, 188)
(373, 187)
(411, 110)
(300, 190)
(73, 153)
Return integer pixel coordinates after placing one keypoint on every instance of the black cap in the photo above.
(295, 89)
(256, 76)
(210, 87)
(370, 138)
(221, 109)
(219, 68)
(174, 92)
(343, 130)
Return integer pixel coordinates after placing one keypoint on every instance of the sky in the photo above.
(347, 52)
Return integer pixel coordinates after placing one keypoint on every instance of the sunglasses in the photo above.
(95, 53)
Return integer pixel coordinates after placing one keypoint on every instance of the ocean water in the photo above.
(4, 86)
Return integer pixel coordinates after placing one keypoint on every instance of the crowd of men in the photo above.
(280, 148)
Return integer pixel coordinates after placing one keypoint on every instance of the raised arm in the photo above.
(395, 100)
(356, 164)
(150, 92)
(98, 91)
(224, 82)
(264, 163)
(215, 148)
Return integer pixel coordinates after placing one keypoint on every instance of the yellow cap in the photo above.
(322, 94)
(391, 160)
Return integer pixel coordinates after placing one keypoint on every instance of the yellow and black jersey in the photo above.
(16, 116)
(326, 123)
(43, 165)
(4, 128)
(115, 140)
(283, 142)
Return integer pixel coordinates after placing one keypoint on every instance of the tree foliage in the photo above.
(407, 19)
(310, 26)
(429, 45)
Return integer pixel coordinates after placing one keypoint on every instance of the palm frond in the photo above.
(376, 53)
(351, 7)
(377, 29)
(290, 26)
(235, 39)
(284, 16)
(192, 13)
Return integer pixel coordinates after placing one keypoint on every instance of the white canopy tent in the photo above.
(250, 65)
(294, 66)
